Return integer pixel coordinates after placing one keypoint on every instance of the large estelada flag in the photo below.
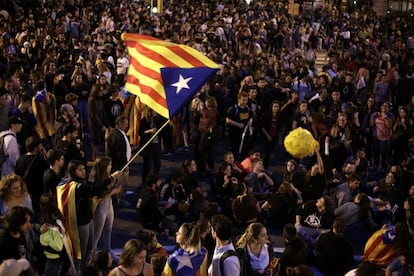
(165, 75)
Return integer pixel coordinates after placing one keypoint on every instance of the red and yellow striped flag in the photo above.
(165, 75)
(132, 110)
(44, 110)
(65, 193)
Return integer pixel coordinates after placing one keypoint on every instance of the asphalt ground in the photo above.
(126, 221)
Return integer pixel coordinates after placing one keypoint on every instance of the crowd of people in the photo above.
(67, 134)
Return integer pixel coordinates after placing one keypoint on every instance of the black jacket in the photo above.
(117, 149)
(294, 254)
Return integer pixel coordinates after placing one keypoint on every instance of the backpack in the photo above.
(3, 154)
(239, 252)
(245, 268)
(236, 108)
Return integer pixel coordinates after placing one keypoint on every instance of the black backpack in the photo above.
(240, 253)
(3, 155)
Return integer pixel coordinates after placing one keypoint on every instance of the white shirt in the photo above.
(128, 145)
(122, 65)
(231, 264)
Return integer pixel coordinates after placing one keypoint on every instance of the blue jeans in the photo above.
(103, 220)
(381, 149)
(308, 234)
(86, 238)
(53, 267)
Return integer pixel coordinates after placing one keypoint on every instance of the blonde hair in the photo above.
(147, 113)
(192, 238)
(6, 183)
(250, 235)
(211, 102)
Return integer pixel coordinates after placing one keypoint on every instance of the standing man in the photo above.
(52, 176)
(25, 112)
(120, 151)
(67, 116)
(31, 167)
(113, 105)
(240, 119)
(221, 230)
(118, 143)
(4, 109)
(11, 147)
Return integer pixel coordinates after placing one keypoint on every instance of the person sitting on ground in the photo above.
(172, 194)
(332, 261)
(102, 260)
(346, 192)
(281, 205)
(151, 244)
(295, 252)
(236, 167)
(245, 209)
(259, 182)
(228, 187)
(294, 174)
(313, 218)
(147, 206)
(247, 162)
(386, 244)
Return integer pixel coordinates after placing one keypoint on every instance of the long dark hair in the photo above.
(49, 211)
(72, 167)
(364, 204)
(99, 171)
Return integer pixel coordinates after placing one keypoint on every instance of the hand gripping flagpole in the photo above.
(145, 145)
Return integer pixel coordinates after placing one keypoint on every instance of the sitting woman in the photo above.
(188, 175)
(132, 260)
(13, 192)
(257, 251)
(340, 142)
(228, 186)
(281, 206)
(245, 209)
(190, 259)
(294, 175)
(315, 180)
(173, 194)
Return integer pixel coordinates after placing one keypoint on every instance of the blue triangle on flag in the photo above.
(180, 84)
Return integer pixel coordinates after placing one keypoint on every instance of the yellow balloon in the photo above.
(300, 143)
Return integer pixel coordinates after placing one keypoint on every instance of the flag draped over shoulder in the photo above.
(380, 247)
(44, 110)
(182, 263)
(132, 110)
(65, 193)
(165, 75)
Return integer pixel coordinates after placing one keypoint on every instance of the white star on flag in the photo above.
(184, 261)
(181, 83)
